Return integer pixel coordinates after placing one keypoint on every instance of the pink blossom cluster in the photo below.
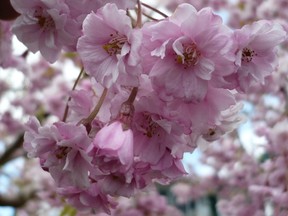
(232, 173)
(244, 184)
(49, 26)
(249, 182)
(273, 182)
(144, 203)
(154, 91)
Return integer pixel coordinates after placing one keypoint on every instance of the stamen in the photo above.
(150, 128)
(190, 55)
(115, 45)
(45, 21)
(247, 55)
(62, 152)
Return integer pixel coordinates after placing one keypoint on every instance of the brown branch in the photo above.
(6, 156)
(284, 91)
(154, 9)
(73, 88)
(93, 114)
(17, 200)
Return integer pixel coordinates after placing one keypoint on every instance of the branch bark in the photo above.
(6, 156)
(17, 200)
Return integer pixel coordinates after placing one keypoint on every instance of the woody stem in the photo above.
(154, 9)
(74, 86)
(96, 109)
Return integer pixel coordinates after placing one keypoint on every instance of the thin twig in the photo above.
(149, 17)
(74, 86)
(154, 9)
(95, 111)
(139, 15)
(132, 95)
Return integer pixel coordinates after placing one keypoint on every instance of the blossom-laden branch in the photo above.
(183, 71)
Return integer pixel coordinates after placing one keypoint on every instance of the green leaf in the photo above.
(68, 211)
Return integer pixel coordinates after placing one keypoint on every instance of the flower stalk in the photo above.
(73, 88)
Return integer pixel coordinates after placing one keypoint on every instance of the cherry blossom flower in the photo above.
(113, 156)
(88, 199)
(112, 148)
(156, 130)
(186, 52)
(61, 149)
(229, 119)
(256, 57)
(208, 118)
(116, 184)
(113, 51)
(42, 26)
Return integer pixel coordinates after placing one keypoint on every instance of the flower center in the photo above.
(247, 55)
(115, 44)
(62, 152)
(150, 128)
(190, 55)
(45, 21)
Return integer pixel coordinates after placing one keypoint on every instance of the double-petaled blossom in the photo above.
(228, 120)
(186, 52)
(62, 151)
(256, 52)
(214, 116)
(156, 129)
(159, 139)
(112, 148)
(113, 155)
(88, 199)
(45, 26)
(109, 47)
